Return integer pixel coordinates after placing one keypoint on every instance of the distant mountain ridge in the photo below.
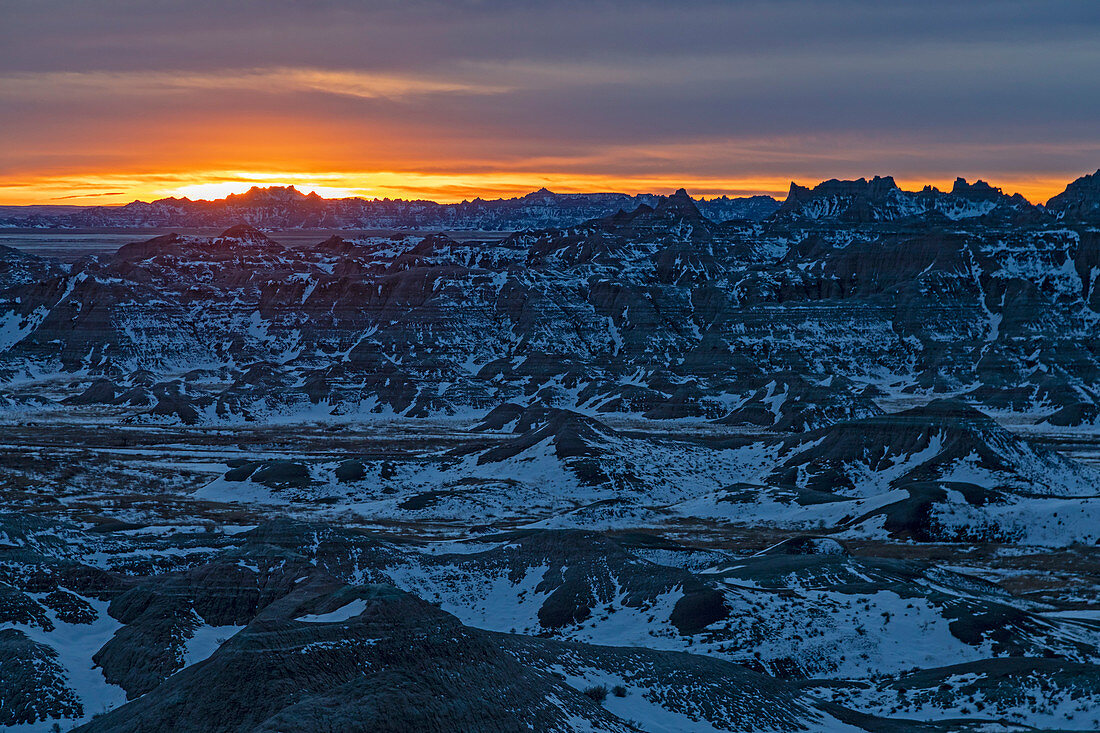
(284, 207)
(879, 199)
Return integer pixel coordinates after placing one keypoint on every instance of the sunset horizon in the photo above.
(447, 190)
(102, 107)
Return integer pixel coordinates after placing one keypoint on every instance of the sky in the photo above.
(110, 101)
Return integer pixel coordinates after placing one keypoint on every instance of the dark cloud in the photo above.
(199, 34)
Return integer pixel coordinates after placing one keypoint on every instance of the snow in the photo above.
(75, 645)
(636, 706)
(488, 601)
(343, 613)
(837, 635)
(205, 640)
(616, 624)
(14, 327)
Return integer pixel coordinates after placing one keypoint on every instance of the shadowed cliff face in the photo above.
(1080, 201)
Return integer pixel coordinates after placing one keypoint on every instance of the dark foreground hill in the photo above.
(295, 627)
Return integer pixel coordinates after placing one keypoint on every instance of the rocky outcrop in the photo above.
(953, 464)
(930, 441)
(880, 200)
(18, 267)
(1080, 202)
(788, 403)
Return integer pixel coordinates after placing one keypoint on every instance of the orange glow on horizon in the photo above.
(442, 187)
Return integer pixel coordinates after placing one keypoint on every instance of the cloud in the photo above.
(599, 90)
(65, 85)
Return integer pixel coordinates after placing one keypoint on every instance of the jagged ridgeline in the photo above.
(286, 207)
